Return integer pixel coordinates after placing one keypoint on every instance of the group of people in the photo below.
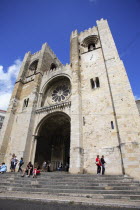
(46, 166)
(14, 162)
(30, 170)
(100, 164)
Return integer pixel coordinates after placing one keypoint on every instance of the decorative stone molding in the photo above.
(52, 107)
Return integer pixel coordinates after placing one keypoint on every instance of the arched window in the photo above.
(90, 42)
(33, 65)
(53, 66)
(91, 47)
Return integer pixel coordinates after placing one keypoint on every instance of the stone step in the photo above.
(70, 176)
(55, 174)
(97, 178)
(105, 196)
(102, 196)
(94, 186)
(123, 197)
(43, 183)
(78, 191)
(52, 182)
(66, 186)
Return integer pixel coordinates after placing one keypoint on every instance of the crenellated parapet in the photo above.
(59, 68)
(36, 53)
(74, 34)
(88, 32)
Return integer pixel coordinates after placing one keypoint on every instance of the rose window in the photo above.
(60, 93)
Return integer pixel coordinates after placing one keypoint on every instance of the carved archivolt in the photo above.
(57, 92)
(93, 39)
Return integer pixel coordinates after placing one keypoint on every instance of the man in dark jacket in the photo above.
(103, 165)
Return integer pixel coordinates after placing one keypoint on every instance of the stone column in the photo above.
(33, 149)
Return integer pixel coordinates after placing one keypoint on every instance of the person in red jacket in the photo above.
(98, 163)
(36, 172)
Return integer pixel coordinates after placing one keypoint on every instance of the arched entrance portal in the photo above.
(53, 141)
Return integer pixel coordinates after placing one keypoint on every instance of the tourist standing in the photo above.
(44, 166)
(12, 167)
(15, 161)
(98, 163)
(103, 165)
(20, 164)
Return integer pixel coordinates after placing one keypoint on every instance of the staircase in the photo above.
(65, 184)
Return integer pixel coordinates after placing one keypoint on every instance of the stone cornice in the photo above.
(53, 107)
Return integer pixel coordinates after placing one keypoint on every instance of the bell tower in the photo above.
(17, 132)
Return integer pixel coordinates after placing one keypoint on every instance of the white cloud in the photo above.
(7, 80)
(137, 97)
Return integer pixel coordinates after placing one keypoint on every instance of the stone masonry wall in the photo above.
(98, 136)
(127, 120)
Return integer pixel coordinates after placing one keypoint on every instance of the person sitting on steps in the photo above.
(3, 168)
(28, 170)
(36, 171)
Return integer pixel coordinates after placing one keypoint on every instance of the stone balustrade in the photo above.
(53, 107)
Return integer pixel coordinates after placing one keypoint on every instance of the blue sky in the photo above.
(27, 24)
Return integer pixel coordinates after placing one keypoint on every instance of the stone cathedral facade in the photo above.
(72, 113)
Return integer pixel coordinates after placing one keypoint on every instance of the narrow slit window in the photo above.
(84, 121)
(92, 83)
(26, 101)
(112, 125)
(97, 82)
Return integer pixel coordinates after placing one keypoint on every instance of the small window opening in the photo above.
(53, 66)
(92, 83)
(97, 82)
(84, 122)
(33, 65)
(91, 47)
(26, 101)
(112, 125)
